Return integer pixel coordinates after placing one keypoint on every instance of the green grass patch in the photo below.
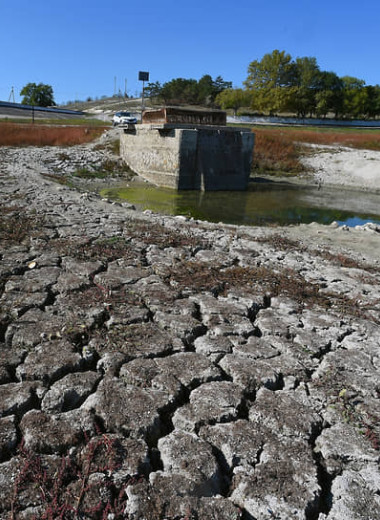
(86, 173)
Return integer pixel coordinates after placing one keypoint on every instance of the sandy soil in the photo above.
(342, 166)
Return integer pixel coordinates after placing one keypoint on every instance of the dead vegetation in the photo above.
(16, 134)
(274, 153)
(16, 225)
(282, 243)
(62, 486)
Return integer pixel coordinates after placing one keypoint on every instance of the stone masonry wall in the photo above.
(189, 158)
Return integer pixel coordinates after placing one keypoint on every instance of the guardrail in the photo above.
(7, 104)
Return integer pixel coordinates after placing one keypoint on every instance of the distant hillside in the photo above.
(108, 105)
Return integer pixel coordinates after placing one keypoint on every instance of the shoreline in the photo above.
(335, 166)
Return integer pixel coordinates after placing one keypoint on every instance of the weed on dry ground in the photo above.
(343, 398)
(64, 487)
(279, 242)
(156, 234)
(112, 146)
(16, 225)
(264, 281)
(84, 249)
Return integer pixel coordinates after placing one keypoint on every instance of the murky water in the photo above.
(262, 204)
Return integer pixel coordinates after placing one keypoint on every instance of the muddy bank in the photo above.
(181, 369)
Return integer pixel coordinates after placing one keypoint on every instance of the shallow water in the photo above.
(264, 203)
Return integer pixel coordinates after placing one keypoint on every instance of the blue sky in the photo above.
(80, 47)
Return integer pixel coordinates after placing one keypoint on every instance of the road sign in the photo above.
(144, 76)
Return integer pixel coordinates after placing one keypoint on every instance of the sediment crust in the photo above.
(181, 369)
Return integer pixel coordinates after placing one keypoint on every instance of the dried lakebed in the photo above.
(159, 368)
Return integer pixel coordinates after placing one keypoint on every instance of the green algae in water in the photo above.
(160, 200)
(262, 204)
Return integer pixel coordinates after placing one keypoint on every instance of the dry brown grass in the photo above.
(364, 139)
(275, 153)
(15, 134)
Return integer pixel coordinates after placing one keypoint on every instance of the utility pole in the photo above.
(12, 95)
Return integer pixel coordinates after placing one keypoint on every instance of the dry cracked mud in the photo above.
(162, 368)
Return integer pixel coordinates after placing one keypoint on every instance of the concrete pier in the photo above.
(189, 156)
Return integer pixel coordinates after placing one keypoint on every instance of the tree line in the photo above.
(278, 84)
(188, 91)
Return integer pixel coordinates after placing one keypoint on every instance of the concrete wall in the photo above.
(305, 121)
(208, 158)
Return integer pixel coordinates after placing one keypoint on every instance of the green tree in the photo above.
(354, 97)
(307, 77)
(234, 98)
(329, 96)
(38, 95)
(351, 82)
(206, 90)
(269, 79)
(273, 70)
(219, 85)
(179, 91)
(324, 102)
(153, 90)
(373, 101)
(209, 88)
(188, 91)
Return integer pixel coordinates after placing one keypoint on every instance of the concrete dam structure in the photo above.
(188, 150)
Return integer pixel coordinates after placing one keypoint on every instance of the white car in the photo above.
(123, 118)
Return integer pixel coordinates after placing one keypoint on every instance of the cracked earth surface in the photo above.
(161, 368)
